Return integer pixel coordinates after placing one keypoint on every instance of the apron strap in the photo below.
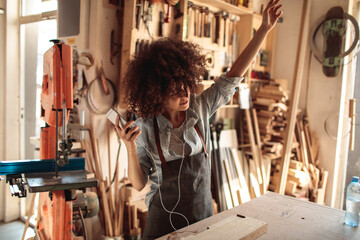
(157, 139)
(158, 146)
(202, 139)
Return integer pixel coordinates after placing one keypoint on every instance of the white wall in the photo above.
(102, 22)
(320, 96)
(2, 94)
(11, 106)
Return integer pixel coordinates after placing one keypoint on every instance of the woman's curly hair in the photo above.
(165, 67)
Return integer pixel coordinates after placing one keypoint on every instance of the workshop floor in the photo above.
(14, 230)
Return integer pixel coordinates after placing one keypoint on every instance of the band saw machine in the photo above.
(56, 175)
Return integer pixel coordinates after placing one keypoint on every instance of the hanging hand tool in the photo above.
(189, 19)
(205, 23)
(104, 83)
(195, 14)
(147, 15)
(161, 24)
(208, 28)
(138, 14)
(217, 27)
(178, 13)
(168, 14)
(225, 16)
(202, 22)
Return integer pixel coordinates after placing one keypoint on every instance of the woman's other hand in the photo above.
(127, 133)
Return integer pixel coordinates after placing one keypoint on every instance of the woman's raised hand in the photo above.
(271, 14)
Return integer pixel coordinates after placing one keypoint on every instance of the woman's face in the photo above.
(179, 101)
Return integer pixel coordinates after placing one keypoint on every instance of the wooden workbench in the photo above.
(287, 218)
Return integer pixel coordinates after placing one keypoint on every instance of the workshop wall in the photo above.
(2, 94)
(320, 95)
(102, 20)
(97, 20)
(10, 108)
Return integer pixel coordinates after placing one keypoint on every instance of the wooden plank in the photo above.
(267, 173)
(297, 137)
(320, 196)
(121, 208)
(88, 157)
(232, 184)
(110, 192)
(352, 115)
(258, 140)
(290, 187)
(297, 165)
(309, 143)
(253, 180)
(29, 214)
(254, 150)
(324, 179)
(244, 190)
(295, 93)
(236, 227)
(308, 177)
(105, 203)
(225, 184)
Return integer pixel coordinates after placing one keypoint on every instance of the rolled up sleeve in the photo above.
(219, 93)
(145, 162)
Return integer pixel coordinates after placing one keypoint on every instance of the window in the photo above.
(38, 25)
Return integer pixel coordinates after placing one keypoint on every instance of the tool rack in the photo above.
(222, 29)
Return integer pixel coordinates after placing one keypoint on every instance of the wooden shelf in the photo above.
(238, 10)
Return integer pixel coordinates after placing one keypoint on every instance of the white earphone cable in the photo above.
(179, 190)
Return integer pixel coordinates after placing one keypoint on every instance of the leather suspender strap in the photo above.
(157, 139)
(202, 139)
(158, 146)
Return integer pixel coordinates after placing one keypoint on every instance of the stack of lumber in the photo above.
(270, 104)
(263, 133)
(305, 178)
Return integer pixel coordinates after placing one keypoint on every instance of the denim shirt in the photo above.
(201, 108)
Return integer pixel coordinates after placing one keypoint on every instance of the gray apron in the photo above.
(195, 199)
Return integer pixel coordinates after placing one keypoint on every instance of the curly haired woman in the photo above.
(170, 142)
